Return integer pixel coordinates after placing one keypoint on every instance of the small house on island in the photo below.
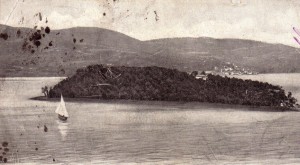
(203, 74)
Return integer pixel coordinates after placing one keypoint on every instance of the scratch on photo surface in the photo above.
(11, 12)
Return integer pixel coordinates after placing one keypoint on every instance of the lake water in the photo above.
(144, 132)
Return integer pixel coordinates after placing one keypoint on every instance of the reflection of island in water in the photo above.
(63, 128)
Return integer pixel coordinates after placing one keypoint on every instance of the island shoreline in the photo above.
(216, 106)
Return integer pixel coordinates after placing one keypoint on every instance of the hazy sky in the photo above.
(263, 20)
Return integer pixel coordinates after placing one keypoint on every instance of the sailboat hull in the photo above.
(62, 118)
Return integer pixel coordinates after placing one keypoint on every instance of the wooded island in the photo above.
(157, 83)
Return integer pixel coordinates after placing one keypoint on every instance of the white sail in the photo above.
(61, 109)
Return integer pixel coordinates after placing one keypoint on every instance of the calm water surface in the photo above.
(133, 132)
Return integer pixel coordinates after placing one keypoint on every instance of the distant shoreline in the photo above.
(57, 77)
(2, 77)
(30, 78)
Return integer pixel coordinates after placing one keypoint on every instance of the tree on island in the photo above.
(45, 91)
(291, 99)
(194, 73)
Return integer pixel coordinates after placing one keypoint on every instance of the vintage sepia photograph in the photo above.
(149, 82)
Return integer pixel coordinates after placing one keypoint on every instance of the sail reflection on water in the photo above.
(63, 128)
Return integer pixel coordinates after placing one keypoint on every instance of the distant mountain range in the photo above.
(44, 52)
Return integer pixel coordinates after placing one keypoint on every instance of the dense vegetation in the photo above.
(156, 83)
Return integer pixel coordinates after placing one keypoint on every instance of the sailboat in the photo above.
(61, 110)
